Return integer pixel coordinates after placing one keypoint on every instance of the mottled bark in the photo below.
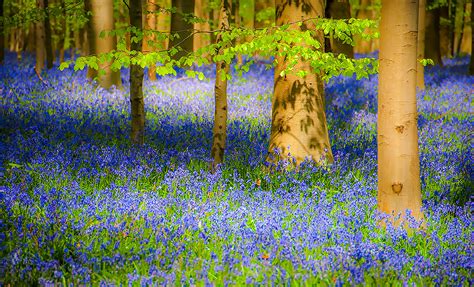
(420, 70)
(337, 9)
(298, 116)
(397, 132)
(136, 79)
(48, 41)
(184, 29)
(40, 35)
(220, 91)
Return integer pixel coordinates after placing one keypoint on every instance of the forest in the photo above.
(236, 143)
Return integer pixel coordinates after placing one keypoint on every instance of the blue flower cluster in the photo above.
(80, 205)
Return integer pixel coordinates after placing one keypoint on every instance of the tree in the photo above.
(150, 36)
(47, 40)
(102, 21)
(136, 76)
(397, 139)
(220, 90)
(339, 10)
(2, 33)
(420, 70)
(182, 28)
(201, 39)
(298, 116)
(40, 36)
(433, 51)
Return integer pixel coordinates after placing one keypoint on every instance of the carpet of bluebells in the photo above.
(80, 205)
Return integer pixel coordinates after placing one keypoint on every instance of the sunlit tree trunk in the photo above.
(466, 39)
(102, 19)
(238, 23)
(201, 39)
(2, 37)
(363, 46)
(40, 51)
(150, 37)
(339, 9)
(420, 70)
(298, 116)
(433, 50)
(397, 139)
(220, 91)
(182, 28)
(48, 40)
(458, 25)
(136, 79)
(164, 23)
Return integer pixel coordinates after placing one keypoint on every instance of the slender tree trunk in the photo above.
(445, 39)
(149, 36)
(102, 19)
(30, 47)
(363, 46)
(220, 90)
(19, 43)
(201, 39)
(458, 23)
(420, 70)
(471, 65)
(48, 41)
(433, 50)
(2, 37)
(465, 47)
(340, 10)
(298, 116)
(40, 40)
(136, 79)
(164, 24)
(238, 23)
(184, 41)
(62, 33)
(89, 39)
(398, 159)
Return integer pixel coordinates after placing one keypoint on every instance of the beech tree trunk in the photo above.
(48, 41)
(363, 46)
(40, 40)
(444, 32)
(201, 39)
(136, 79)
(298, 116)
(466, 39)
(184, 30)
(2, 37)
(420, 69)
(397, 132)
(88, 37)
(220, 90)
(102, 19)
(150, 25)
(458, 26)
(433, 50)
(338, 9)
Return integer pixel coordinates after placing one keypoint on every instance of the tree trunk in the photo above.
(397, 139)
(420, 70)
(164, 24)
(220, 90)
(298, 116)
(444, 32)
(136, 79)
(339, 10)
(102, 19)
(458, 25)
(238, 23)
(201, 39)
(465, 47)
(150, 37)
(88, 37)
(363, 46)
(433, 50)
(40, 40)
(48, 42)
(63, 31)
(184, 30)
(2, 37)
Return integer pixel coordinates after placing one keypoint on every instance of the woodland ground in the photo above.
(80, 205)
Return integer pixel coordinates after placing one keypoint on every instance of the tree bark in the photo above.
(466, 39)
(298, 116)
(363, 46)
(420, 69)
(40, 40)
(458, 26)
(433, 50)
(397, 132)
(102, 19)
(338, 9)
(220, 90)
(444, 32)
(149, 39)
(184, 29)
(2, 37)
(136, 79)
(48, 41)
(201, 39)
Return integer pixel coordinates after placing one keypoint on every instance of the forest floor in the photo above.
(80, 205)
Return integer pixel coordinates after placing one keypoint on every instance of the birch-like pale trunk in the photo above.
(136, 79)
(219, 131)
(397, 131)
(298, 116)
